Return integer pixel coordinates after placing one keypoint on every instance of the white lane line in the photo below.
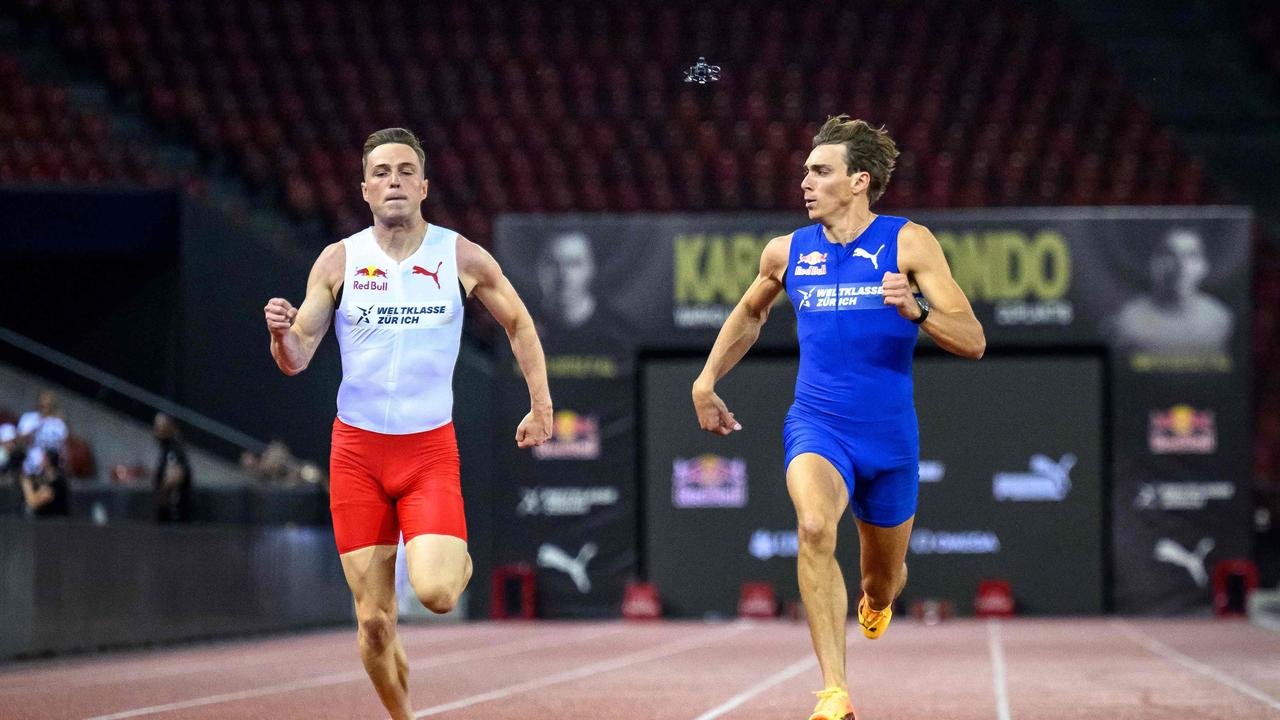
(512, 648)
(996, 647)
(781, 676)
(1172, 655)
(142, 667)
(671, 648)
(333, 679)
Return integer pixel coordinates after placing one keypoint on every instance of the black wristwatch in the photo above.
(924, 309)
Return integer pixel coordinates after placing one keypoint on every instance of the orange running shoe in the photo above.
(833, 704)
(873, 622)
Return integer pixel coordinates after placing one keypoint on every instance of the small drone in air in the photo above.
(702, 73)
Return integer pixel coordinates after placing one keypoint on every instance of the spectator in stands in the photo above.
(44, 486)
(277, 464)
(1176, 316)
(10, 454)
(172, 479)
(249, 462)
(42, 427)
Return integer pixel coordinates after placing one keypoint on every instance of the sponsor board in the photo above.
(565, 501)
(1169, 551)
(954, 542)
(1182, 430)
(1182, 495)
(575, 566)
(1047, 480)
(932, 471)
(573, 437)
(1024, 277)
(709, 481)
(769, 544)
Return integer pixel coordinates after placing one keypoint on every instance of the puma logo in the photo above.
(433, 275)
(1048, 480)
(550, 556)
(862, 253)
(1192, 560)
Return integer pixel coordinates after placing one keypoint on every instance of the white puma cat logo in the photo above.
(1192, 560)
(862, 253)
(550, 556)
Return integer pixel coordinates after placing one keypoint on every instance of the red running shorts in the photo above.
(382, 485)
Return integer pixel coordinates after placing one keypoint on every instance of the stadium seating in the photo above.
(580, 106)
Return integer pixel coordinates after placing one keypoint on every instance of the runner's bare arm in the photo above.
(951, 322)
(481, 276)
(740, 331)
(296, 332)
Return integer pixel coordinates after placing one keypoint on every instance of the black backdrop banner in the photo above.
(1011, 485)
(1162, 292)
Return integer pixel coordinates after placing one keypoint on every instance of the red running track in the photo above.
(1096, 668)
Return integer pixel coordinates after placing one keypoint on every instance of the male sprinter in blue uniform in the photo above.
(851, 434)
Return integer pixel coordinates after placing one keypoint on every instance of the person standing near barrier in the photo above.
(850, 437)
(395, 293)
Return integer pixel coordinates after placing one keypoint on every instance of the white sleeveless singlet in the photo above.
(399, 326)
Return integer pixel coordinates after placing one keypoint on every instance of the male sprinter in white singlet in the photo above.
(395, 291)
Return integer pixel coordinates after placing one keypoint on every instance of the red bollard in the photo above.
(1223, 572)
(994, 599)
(757, 600)
(640, 601)
(503, 574)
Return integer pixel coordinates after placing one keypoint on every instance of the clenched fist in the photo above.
(535, 428)
(713, 416)
(280, 315)
(897, 292)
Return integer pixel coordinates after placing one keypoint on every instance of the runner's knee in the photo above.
(377, 629)
(817, 533)
(436, 597)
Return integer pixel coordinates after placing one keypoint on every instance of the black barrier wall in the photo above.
(1164, 290)
(70, 586)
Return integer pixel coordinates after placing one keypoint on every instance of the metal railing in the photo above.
(122, 395)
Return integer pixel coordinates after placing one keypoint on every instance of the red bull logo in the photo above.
(573, 437)
(373, 273)
(816, 262)
(708, 481)
(1183, 430)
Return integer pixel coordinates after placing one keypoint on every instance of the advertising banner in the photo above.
(1010, 485)
(1161, 293)
(567, 507)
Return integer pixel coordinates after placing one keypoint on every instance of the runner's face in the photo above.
(828, 188)
(394, 185)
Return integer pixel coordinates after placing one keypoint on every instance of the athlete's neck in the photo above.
(848, 225)
(399, 240)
